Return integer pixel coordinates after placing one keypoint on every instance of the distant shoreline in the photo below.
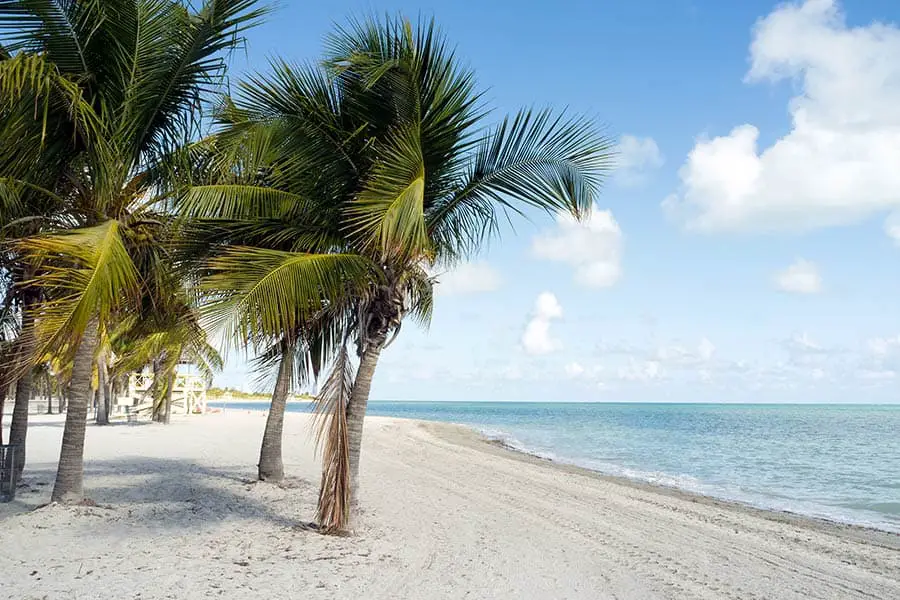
(263, 401)
(218, 399)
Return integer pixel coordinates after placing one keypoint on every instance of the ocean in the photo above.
(839, 462)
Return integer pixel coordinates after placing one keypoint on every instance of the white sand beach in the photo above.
(447, 515)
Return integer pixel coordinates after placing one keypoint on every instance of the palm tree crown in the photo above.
(344, 185)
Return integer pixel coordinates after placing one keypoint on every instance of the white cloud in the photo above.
(803, 343)
(802, 277)
(804, 354)
(637, 156)
(882, 347)
(839, 162)
(874, 375)
(511, 373)
(892, 227)
(593, 247)
(677, 356)
(537, 339)
(642, 371)
(547, 307)
(574, 370)
(706, 349)
(469, 278)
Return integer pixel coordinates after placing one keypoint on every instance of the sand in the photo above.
(447, 515)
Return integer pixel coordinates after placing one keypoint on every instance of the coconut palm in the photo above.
(33, 155)
(129, 76)
(291, 344)
(383, 154)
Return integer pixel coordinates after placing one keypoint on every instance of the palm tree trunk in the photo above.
(158, 391)
(18, 427)
(271, 465)
(63, 395)
(49, 389)
(70, 473)
(102, 417)
(3, 390)
(356, 413)
(170, 385)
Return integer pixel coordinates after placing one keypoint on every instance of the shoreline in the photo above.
(517, 452)
(469, 436)
(445, 514)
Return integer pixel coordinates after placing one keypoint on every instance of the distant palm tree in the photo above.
(382, 155)
(165, 333)
(129, 77)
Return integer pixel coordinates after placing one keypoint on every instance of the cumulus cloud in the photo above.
(883, 355)
(803, 343)
(802, 277)
(642, 371)
(706, 349)
(680, 356)
(537, 339)
(838, 164)
(574, 370)
(469, 278)
(892, 227)
(656, 361)
(883, 347)
(636, 158)
(593, 247)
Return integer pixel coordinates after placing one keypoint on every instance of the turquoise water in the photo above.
(840, 462)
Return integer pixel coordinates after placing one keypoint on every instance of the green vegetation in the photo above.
(304, 226)
(216, 393)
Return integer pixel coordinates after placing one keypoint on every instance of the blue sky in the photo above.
(746, 249)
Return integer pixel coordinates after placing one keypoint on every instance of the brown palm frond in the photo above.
(332, 438)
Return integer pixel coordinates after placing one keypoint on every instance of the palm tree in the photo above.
(292, 344)
(382, 154)
(33, 154)
(129, 77)
(167, 332)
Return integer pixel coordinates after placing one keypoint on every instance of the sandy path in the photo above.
(447, 516)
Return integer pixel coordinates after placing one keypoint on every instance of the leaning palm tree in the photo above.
(129, 76)
(291, 344)
(381, 154)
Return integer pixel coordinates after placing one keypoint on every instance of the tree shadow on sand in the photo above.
(175, 493)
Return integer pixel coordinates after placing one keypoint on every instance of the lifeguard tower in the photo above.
(188, 392)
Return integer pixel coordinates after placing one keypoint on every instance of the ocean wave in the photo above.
(691, 484)
(509, 441)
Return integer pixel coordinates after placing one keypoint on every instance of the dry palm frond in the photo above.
(332, 438)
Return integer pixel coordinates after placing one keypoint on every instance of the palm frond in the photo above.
(420, 295)
(389, 214)
(258, 293)
(62, 29)
(240, 202)
(535, 159)
(192, 67)
(332, 439)
(33, 78)
(86, 274)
